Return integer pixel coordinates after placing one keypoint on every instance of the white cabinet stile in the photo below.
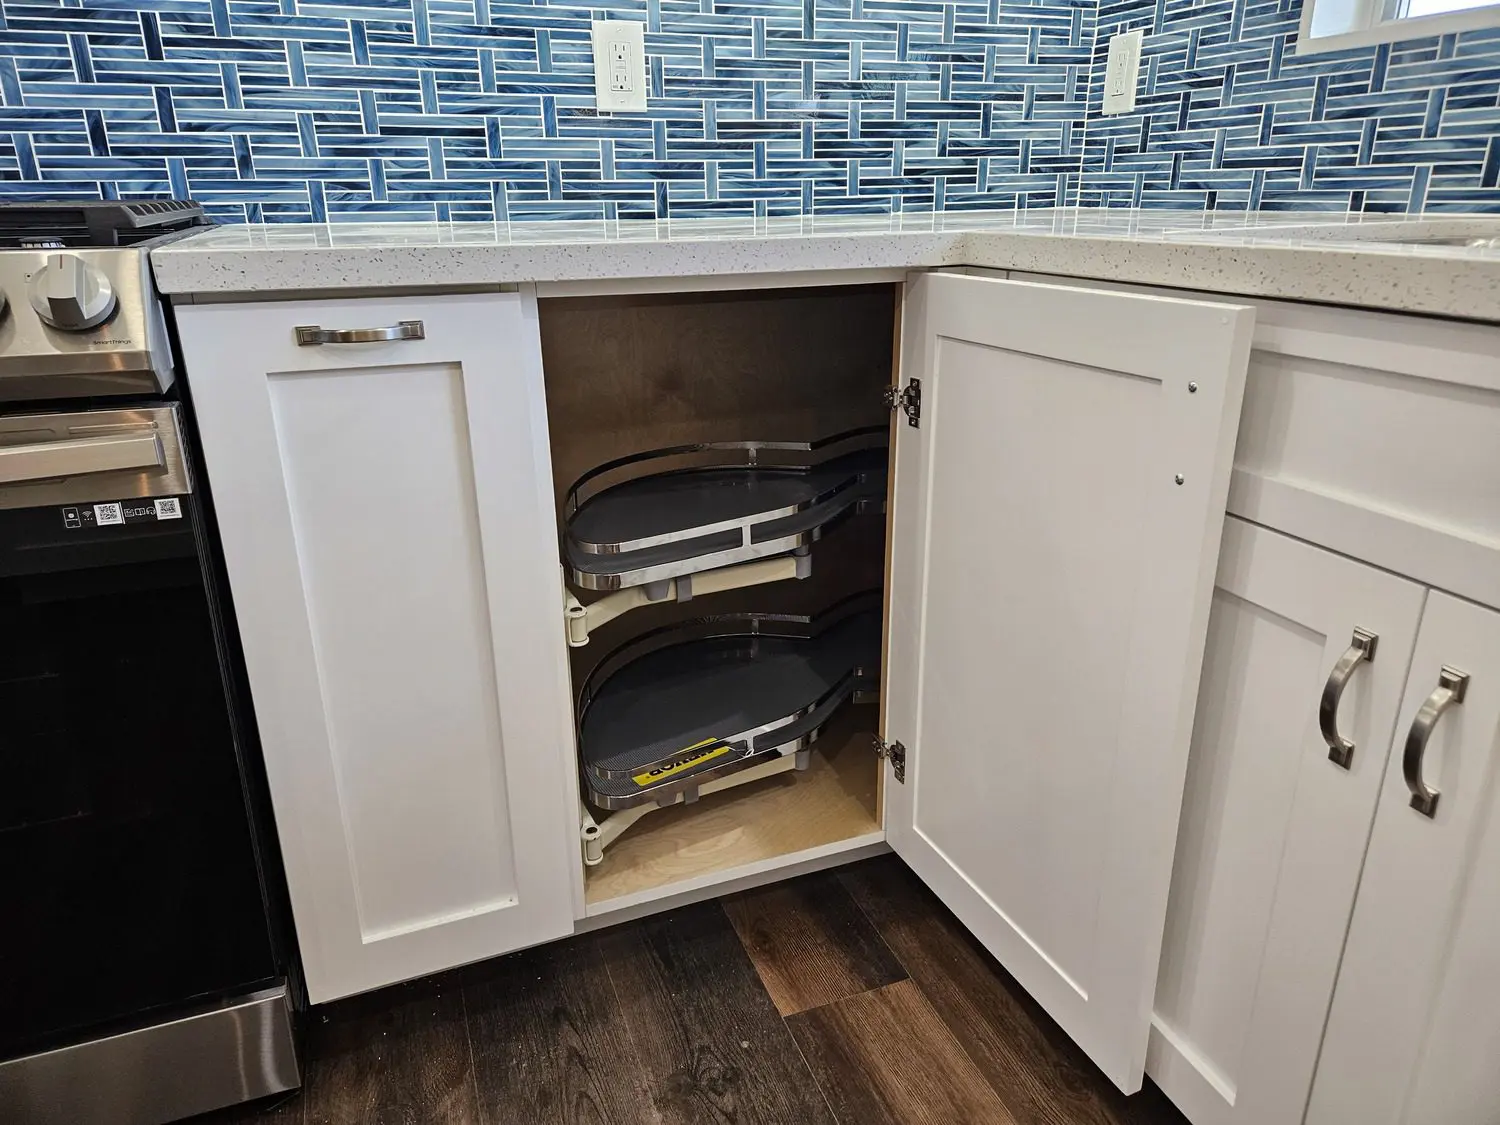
(386, 515)
(1056, 521)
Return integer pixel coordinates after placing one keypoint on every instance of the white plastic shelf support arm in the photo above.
(581, 620)
(595, 837)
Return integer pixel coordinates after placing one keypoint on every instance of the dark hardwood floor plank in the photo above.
(550, 1042)
(395, 1057)
(278, 1109)
(1040, 1074)
(670, 1021)
(713, 1049)
(810, 943)
(885, 1058)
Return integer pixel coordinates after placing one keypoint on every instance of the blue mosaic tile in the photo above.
(294, 110)
(1230, 118)
(301, 110)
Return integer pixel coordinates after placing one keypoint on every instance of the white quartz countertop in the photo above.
(1329, 257)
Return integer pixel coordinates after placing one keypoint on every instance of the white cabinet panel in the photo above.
(1414, 1034)
(384, 512)
(1273, 832)
(387, 523)
(1056, 520)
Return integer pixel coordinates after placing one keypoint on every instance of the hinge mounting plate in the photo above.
(895, 752)
(909, 399)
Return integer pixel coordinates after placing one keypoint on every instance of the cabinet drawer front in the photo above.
(386, 518)
(1273, 832)
(1378, 435)
(1375, 434)
(351, 334)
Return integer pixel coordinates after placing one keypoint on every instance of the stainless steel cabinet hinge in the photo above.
(909, 399)
(895, 752)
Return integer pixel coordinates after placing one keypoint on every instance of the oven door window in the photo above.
(126, 860)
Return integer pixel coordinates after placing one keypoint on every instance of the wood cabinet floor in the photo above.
(850, 997)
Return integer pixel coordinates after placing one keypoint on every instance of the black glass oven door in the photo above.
(126, 860)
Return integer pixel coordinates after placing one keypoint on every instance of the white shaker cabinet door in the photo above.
(386, 514)
(1414, 1034)
(1055, 527)
(1302, 676)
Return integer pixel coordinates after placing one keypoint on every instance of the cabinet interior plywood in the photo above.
(629, 373)
(833, 799)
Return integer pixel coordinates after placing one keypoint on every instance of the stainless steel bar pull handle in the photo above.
(1452, 684)
(310, 335)
(47, 460)
(1361, 649)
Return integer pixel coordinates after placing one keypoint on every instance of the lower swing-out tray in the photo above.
(694, 702)
(693, 508)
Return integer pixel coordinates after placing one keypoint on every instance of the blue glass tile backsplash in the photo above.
(312, 110)
(1230, 117)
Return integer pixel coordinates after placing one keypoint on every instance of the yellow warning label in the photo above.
(694, 755)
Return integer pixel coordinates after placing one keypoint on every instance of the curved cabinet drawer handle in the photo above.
(310, 335)
(1452, 684)
(1361, 649)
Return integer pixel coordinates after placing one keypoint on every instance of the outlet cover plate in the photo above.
(1121, 71)
(619, 65)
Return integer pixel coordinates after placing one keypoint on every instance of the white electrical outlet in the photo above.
(1121, 70)
(620, 65)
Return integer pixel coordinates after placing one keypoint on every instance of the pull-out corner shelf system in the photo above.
(719, 701)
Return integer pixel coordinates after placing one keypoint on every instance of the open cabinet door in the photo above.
(1056, 522)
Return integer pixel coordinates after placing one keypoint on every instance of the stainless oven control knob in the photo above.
(71, 295)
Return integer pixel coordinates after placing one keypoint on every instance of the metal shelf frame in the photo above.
(683, 510)
(777, 679)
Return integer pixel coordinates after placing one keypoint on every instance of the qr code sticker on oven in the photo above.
(169, 509)
(105, 514)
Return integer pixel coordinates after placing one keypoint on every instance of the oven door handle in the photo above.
(49, 460)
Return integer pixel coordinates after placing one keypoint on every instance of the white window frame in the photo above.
(1335, 25)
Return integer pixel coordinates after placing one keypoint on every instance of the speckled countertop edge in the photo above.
(1361, 277)
(1263, 256)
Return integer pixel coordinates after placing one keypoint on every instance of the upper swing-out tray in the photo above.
(691, 508)
(691, 702)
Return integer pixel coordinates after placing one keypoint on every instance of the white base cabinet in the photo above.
(387, 524)
(1414, 1034)
(389, 527)
(1331, 954)
(1273, 831)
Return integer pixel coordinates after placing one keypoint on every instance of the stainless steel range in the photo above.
(84, 322)
(79, 315)
(143, 970)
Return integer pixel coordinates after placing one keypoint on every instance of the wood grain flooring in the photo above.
(884, 1058)
(1040, 1074)
(843, 998)
(707, 1035)
(810, 942)
(399, 1056)
(550, 1043)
